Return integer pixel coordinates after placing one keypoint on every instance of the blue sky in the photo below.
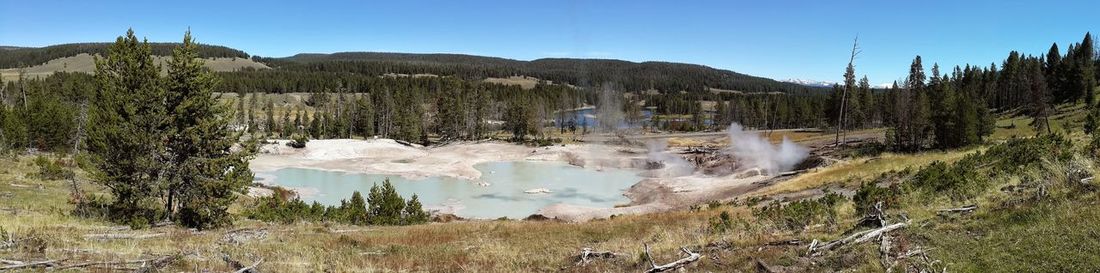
(776, 39)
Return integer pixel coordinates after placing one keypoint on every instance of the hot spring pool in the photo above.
(503, 196)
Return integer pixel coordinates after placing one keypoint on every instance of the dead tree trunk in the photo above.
(849, 80)
(77, 194)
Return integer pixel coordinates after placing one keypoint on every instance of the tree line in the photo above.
(30, 56)
(382, 206)
(957, 108)
(664, 77)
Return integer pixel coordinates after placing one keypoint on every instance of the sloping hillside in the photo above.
(617, 74)
(13, 57)
(85, 63)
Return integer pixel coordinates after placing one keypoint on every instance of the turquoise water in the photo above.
(503, 197)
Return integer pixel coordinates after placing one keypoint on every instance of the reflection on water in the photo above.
(503, 197)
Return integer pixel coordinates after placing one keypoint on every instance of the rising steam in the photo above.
(753, 151)
(674, 166)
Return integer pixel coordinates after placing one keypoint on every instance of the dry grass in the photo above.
(41, 212)
(524, 82)
(851, 172)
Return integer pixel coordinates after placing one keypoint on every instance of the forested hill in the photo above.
(13, 57)
(618, 74)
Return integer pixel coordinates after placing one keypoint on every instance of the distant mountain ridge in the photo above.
(619, 74)
(811, 83)
(606, 73)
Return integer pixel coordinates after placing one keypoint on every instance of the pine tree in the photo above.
(365, 121)
(414, 212)
(386, 205)
(1087, 68)
(942, 99)
(1053, 70)
(912, 124)
(1039, 106)
(866, 103)
(269, 125)
(356, 210)
(374, 205)
(393, 205)
(205, 172)
(125, 145)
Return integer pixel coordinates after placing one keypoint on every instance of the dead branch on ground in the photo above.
(22, 265)
(691, 257)
(963, 209)
(240, 267)
(587, 254)
(121, 236)
(856, 238)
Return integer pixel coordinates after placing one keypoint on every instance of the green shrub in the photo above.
(870, 193)
(799, 214)
(298, 142)
(969, 176)
(721, 223)
(52, 169)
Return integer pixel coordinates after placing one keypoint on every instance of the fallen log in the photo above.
(587, 254)
(691, 258)
(240, 267)
(147, 264)
(251, 268)
(859, 237)
(121, 236)
(46, 263)
(963, 209)
(154, 265)
(793, 242)
(762, 267)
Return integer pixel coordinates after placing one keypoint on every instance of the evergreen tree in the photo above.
(865, 115)
(414, 212)
(393, 205)
(386, 205)
(1039, 107)
(374, 205)
(356, 210)
(1087, 68)
(1053, 70)
(269, 125)
(942, 99)
(125, 146)
(204, 171)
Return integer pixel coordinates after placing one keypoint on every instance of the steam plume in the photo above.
(754, 151)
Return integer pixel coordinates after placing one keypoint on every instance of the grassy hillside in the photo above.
(15, 57)
(86, 63)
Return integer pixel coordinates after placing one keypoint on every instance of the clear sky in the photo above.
(776, 39)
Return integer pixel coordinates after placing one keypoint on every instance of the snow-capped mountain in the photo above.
(812, 83)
